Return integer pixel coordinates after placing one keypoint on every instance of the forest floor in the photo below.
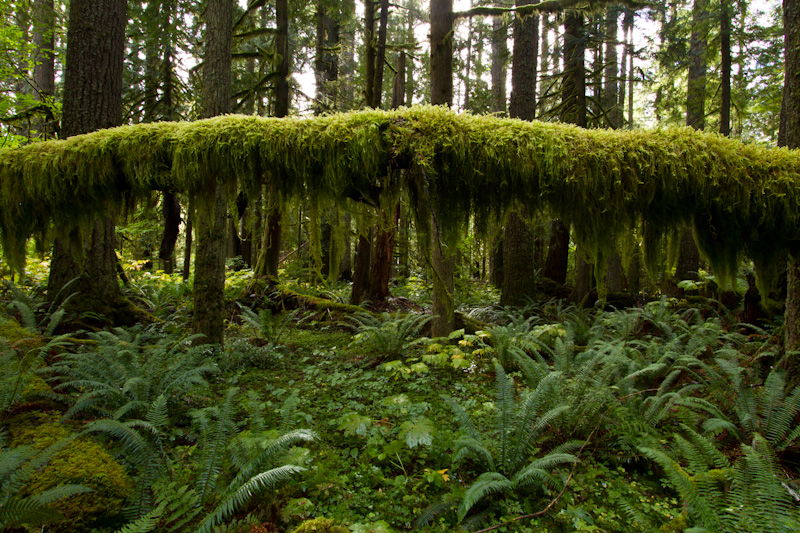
(659, 417)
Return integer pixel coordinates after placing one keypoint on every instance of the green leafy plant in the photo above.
(387, 335)
(125, 372)
(748, 494)
(506, 456)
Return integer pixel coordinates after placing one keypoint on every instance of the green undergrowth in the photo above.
(664, 417)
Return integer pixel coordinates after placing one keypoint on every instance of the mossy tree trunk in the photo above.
(688, 254)
(441, 74)
(519, 281)
(790, 137)
(209, 267)
(361, 268)
(383, 254)
(92, 101)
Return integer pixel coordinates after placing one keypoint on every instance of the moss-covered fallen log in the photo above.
(742, 199)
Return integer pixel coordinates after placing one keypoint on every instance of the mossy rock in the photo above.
(17, 336)
(82, 461)
(320, 525)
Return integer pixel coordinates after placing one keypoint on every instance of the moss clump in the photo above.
(13, 332)
(320, 525)
(82, 461)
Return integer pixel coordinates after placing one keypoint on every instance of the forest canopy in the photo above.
(457, 165)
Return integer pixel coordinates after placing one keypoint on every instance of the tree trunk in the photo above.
(519, 281)
(557, 262)
(92, 101)
(360, 272)
(382, 254)
(380, 56)
(44, 74)
(326, 65)
(171, 210)
(282, 48)
(688, 254)
(545, 61)
(725, 73)
(209, 267)
(369, 52)
(583, 280)
(610, 97)
(698, 45)
(441, 74)
(790, 137)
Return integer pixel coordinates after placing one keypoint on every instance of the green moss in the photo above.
(320, 525)
(743, 200)
(82, 461)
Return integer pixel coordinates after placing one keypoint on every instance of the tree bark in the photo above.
(92, 101)
(380, 56)
(611, 71)
(790, 137)
(209, 268)
(698, 45)
(441, 74)
(282, 48)
(725, 67)
(360, 272)
(44, 74)
(382, 254)
(557, 262)
(519, 281)
(171, 210)
(369, 52)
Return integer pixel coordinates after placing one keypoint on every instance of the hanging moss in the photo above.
(741, 199)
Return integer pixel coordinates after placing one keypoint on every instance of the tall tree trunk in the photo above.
(209, 268)
(383, 253)
(688, 254)
(573, 110)
(725, 67)
(441, 74)
(326, 65)
(790, 137)
(282, 48)
(380, 56)
(369, 52)
(171, 210)
(698, 45)
(498, 68)
(92, 101)
(44, 74)
(545, 61)
(269, 258)
(360, 272)
(519, 281)
(610, 97)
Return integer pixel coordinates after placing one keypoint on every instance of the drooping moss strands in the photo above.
(604, 182)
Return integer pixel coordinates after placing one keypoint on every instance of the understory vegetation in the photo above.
(661, 417)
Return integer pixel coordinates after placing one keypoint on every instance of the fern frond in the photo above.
(271, 452)
(432, 511)
(470, 448)
(213, 445)
(236, 499)
(465, 423)
(486, 484)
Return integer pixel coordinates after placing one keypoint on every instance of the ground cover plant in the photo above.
(660, 417)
